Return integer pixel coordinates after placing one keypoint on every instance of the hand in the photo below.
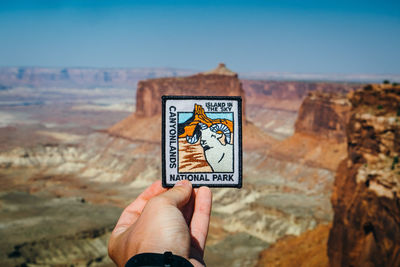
(162, 220)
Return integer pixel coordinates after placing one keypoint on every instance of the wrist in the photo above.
(159, 260)
(197, 263)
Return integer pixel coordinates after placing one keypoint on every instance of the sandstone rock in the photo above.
(288, 96)
(324, 115)
(219, 82)
(221, 70)
(279, 197)
(308, 249)
(47, 231)
(320, 138)
(273, 105)
(366, 227)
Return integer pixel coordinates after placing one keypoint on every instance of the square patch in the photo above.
(202, 140)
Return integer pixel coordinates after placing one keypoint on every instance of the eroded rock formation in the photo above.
(279, 197)
(218, 82)
(273, 105)
(319, 138)
(310, 250)
(366, 227)
(324, 115)
(288, 96)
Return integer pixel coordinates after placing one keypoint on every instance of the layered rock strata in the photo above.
(324, 115)
(47, 231)
(279, 197)
(284, 95)
(366, 226)
(218, 82)
(320, 137)
(147, 118)
(310, 250)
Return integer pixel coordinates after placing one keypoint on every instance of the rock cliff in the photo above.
(366, 226)
(319, 138)
(218, 82)
(288, 96)
(273, 105)
(310, 250)
(279, 197)
(324, 115)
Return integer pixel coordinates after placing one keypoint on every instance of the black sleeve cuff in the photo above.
(158, 260)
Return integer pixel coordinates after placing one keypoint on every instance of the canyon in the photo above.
(294, 139)
(366, 225)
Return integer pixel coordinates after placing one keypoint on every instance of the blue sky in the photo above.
(272, 36)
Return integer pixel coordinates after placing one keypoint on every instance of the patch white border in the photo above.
(168, 101)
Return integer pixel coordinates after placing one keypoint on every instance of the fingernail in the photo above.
(180, 183)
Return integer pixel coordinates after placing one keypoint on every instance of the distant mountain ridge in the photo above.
(82, 77)
(329, 77)
(122, 77)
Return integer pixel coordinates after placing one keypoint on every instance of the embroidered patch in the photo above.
(202, 140)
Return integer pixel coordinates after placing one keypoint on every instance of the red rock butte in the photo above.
(218, 82)
(145, 123)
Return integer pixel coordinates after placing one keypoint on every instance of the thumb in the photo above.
(180, 194)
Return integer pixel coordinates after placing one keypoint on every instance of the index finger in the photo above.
(132, 212)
